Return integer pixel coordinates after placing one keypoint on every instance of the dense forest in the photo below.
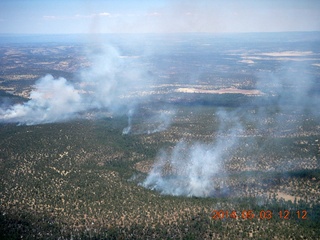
(82, 179)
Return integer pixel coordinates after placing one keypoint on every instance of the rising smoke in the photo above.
(109, 84)
(52, 100)
(112, 83)
(128, 128)
(189, 169)
(158, 121)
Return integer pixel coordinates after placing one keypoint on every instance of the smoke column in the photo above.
(128, 128)
(52, 100)
(161, 121)
(108, 84)
(190, 168)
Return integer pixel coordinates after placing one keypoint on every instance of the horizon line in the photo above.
(160, 33)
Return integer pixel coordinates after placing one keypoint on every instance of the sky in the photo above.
(157, 16)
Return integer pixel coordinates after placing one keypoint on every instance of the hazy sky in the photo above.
(141, 16)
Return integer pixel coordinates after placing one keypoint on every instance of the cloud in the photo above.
(94, 15)
(51, 17)
(77, 16)
(154, 14)
(104, 14)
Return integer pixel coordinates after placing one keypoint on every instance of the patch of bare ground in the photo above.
(286, 197)
(220, 91)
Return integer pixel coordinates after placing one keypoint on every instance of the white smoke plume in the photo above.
(156, 121)
(112, 79)
(108, 84)
(128, 128)
(52, 100)
(187, 171)
(160, 121)
(190, 169)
